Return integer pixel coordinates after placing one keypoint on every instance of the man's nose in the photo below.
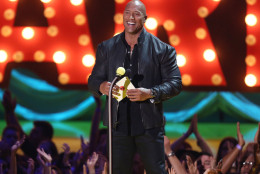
(131, 16)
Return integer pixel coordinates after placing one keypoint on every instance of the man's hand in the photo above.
(138, 94)
(104, 88)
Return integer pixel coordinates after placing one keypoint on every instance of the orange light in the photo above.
(6, 31)
(250, 40)
(18, 56)
(59, 57)
(64, 78)
(39, 56)
(203, 12)
(1, 77)
(49, 12)
(169, 25)
(119, 1)
(216, 79)
(118, 18)
(186, 79)
(80, 19)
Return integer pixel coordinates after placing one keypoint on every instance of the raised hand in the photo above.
(240, 137)
(167, 145)
(192, 167)
(8, 103)
(84, 146)
(91, 162)
(17, 145)
(105, 170)
(171, 171)
(257, 134)
(44, 158)
(30, 169)
(66, 149)
(194, 123)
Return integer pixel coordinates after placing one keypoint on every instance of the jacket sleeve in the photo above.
(171, 77)
(99, 73)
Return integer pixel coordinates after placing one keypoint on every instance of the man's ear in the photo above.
(145, 19)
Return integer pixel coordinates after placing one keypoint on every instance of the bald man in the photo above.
(138, 122)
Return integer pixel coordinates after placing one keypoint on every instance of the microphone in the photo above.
(120, 71)
(128, 72)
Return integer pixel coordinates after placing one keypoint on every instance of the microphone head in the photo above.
(120, 71)
(128, 72)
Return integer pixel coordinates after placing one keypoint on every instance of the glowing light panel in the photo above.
(209, 55)
(250, 80)
(3, 56)
(88, 60)
(76, 2)
(28, 33)
(151, 23)
(181, 60)
(251, 20)
(59, 57)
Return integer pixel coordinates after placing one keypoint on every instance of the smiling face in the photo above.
(134, 17)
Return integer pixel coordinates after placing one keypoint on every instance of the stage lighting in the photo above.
(84, 40)
(18, 56)
(76, 2)
(186, 79)
(250, 60)
(39, 56)
(59, 57)
(151, 23)
(250, 80)
(169, 25)
(174, 40)
(3, 56)
(181, 60)
(216, 79)
(251, 20)
(209, 55)
(28, 33)
(201, 33)
(88, 60)
(6, 31)
(64, 78)
(250, 40)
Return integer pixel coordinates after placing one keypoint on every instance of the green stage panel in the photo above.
(209, 131)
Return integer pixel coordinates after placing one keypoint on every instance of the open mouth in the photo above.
(130, 23)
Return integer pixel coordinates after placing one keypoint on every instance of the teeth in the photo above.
(130, 23)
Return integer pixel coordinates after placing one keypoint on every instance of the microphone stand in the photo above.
(110, 123)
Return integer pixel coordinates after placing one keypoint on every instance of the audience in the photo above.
(40, 154)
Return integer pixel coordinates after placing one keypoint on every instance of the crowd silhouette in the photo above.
(40, 154)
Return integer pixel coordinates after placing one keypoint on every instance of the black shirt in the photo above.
(129, 113)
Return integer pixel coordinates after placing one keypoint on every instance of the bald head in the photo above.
(138, 3)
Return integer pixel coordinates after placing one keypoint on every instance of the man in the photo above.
(138, 119)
